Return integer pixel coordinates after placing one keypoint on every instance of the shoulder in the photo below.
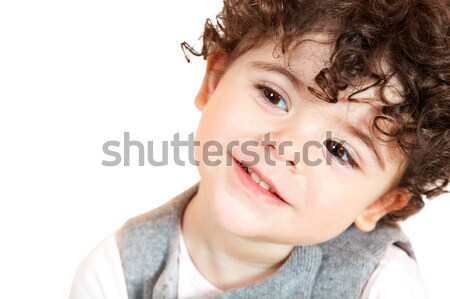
(157, 222)
(396, 276)
(100, 274)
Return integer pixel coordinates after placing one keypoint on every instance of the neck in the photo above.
(225, 259)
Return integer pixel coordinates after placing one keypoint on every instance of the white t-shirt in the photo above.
(100, 276)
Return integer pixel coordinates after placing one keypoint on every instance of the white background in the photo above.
(75, 74)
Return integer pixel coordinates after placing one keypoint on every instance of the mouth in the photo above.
(263, 183)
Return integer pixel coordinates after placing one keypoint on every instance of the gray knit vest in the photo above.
(338, 268)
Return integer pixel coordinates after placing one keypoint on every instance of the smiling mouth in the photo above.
(259, 181)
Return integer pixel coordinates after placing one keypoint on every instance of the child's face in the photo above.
(322, 200)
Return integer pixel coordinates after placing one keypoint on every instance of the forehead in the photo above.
(311, 53)
(304, 59)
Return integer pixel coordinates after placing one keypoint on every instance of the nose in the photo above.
(294, 147)
(281, 149)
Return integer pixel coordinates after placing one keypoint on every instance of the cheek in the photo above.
(216, 120)
(327, 208)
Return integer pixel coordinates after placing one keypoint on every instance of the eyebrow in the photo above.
(368, 142)
(278, 69)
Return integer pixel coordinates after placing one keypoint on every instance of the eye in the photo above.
(340, 153)
(272, 97)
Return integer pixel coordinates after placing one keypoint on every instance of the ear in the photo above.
(215, 67)
(392, 201)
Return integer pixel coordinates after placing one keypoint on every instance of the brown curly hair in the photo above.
(410, 36)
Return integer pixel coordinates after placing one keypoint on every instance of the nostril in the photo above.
(272, 147)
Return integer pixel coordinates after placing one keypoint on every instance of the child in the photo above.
(329, 121)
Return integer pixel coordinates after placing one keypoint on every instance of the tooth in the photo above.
(264, 185)
(255, 177)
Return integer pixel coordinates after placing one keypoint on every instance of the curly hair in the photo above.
(410, 36)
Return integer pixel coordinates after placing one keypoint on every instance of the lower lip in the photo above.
(257, 191)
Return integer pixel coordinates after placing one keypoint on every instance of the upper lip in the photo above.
(265, 179)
